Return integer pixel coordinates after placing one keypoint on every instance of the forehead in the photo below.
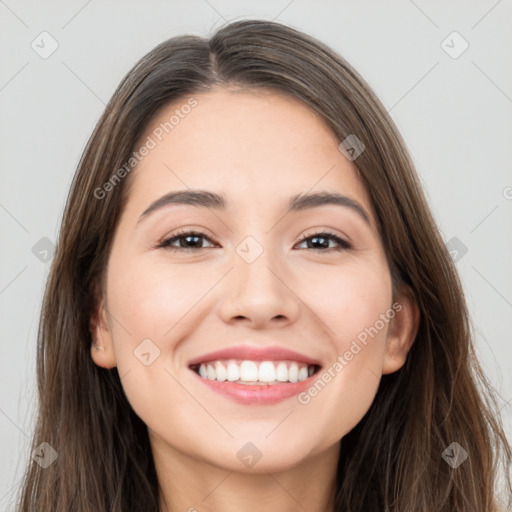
(257, 144)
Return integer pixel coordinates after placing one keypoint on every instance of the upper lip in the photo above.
(253, 353)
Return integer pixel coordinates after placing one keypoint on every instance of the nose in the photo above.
(259, 294)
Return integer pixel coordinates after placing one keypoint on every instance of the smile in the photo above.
(255, 372)
(255, 375)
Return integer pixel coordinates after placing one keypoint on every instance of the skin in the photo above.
(257, 148)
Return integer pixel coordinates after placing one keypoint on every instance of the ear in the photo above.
(102, 351)
(402, 331)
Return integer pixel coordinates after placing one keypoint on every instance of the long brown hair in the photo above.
(393, 459)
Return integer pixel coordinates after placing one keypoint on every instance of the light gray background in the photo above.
(454, 113)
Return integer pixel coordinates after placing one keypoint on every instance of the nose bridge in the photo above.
(257, 288)
(257, 266)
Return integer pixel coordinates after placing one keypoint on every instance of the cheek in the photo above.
(347, 298)
(355, 305)
(152, 300)
(152, 309)
(155, 305)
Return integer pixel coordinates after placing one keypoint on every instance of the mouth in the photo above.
(255, 375)
(254, 372)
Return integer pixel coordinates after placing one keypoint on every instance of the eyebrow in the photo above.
(299, 202)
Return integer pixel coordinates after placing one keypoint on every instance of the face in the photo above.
(282, 292)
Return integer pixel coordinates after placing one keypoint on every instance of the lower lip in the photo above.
(257, 394)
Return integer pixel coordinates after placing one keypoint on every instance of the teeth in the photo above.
(233, 371)
(282, 372)
(210, 372)
(248, 371)
(293, 372)
(220, 371)
(267, 372)
(254, 372)
(303, 373)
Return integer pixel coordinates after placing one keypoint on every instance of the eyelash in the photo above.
(166, 243)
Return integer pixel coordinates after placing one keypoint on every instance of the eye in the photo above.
(187, 240)
(190, 240)
(323, 239)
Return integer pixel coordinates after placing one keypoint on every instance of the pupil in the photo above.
(188, 237)
(316, 238)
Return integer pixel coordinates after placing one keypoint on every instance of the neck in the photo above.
(191, 485)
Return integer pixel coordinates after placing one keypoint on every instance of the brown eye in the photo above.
(186, 240)
(322, 240)
(192, 240)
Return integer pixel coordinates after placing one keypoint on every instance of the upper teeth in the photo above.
(256, 371)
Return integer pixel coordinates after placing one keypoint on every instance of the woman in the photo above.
(250, 306)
